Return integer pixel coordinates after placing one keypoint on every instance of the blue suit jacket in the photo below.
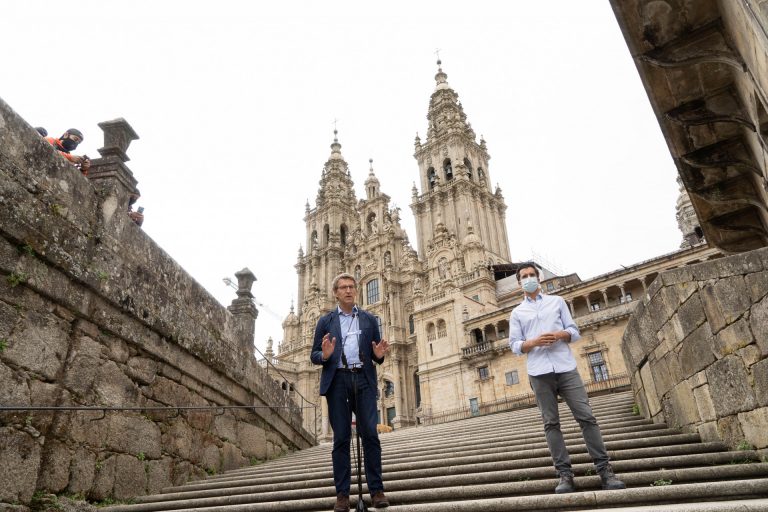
(330, 323)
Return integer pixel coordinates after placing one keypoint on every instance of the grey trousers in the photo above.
(569, 386)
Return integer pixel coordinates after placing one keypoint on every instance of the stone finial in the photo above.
(270, 352)
(118, 135)
(245, 280)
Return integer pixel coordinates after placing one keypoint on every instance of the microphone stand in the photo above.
(361, 507)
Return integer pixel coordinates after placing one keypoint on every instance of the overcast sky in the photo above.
(235, 103)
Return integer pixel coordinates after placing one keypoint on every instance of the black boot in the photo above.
(566, 483)
(610, 482)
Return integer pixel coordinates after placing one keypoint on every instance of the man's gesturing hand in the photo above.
(329, 345)
(380, 348)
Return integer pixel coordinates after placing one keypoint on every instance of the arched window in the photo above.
(480, 173)
(477, 334)
(468, 165)
(431, 332)
(343, 233)
(389, 388)
(313, 240)
(372, 291)
(442, 331)
(411, 326)
(448, 169)
(326, 235)
(431, 177)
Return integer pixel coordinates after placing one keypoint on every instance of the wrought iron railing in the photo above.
(520, 401)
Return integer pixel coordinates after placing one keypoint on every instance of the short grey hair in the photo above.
(341, 276)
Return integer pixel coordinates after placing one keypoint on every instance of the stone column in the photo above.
(244, 312)
(623, 293)
(605, 296)
(110, 176)
(645, 285)
(570, 307)
(589, 304)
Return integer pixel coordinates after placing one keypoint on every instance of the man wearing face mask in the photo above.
(68, 142)
(542, 328)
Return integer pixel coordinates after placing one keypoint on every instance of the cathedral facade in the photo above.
(444, 304)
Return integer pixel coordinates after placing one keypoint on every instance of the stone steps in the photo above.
(497, 462)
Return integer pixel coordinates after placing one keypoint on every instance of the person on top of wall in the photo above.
(68, 142)
(138, 215)
(542, 328)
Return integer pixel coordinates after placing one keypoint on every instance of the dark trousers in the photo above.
(569, 386)
(341, 404)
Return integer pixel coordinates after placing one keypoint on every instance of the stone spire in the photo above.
(335, 184)
(446, 115)
(372, 184)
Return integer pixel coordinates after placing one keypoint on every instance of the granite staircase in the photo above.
(500, 463)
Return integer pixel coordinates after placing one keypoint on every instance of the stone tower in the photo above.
(687, 220)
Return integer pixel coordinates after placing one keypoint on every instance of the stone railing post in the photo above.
(244, 311)
(110, 176)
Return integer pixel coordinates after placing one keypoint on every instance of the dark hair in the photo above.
(42, 131)
(527, 264)
(75, 132)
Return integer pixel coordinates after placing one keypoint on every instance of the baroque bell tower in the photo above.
(456, 203)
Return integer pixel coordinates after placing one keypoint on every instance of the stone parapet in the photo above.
(697, 349)
(95, 313)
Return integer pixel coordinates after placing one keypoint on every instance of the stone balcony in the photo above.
(485, 348)
(608, 314)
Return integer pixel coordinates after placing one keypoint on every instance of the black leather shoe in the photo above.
(566, 483)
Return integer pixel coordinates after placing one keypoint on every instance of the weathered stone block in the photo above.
(704, 403)
(729, 430)
(699, 379)
(14, 389)
(142, 369)
(685, 290)
(662, 306)
(56, 461)
(158, 474)
(708, 432)
(725, 301)
(754, 424)
(251, 440)
(757, 284)
(729, 386)
(134, 435)
(39, 344)
(179, 440)
(732, 338)
(706, 271)
(750, 355)
(170, 393)
(20, 456)
(112, 387)
(653, 289)
(758, 321)
(82, 471)
(667, 373)
(632, 347)
(225, 426)
(686, 410)
(739, 264)
(232, 457)
(696, 351)
(132, 479)
(760, 382)
(8, 319)
(211, 458)
(677, 275)
(689, 316)
(104, 479)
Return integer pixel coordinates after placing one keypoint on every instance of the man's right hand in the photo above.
(329, 345)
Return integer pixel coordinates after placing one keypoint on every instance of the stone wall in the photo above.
(697, 349)
(93, 312)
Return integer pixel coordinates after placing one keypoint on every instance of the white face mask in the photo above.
(529, 284)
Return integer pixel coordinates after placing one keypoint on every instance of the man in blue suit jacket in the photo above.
(347, 342)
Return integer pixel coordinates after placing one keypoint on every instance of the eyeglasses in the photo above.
(346, 287)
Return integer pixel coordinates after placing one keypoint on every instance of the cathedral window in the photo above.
(598, 366)
(480, 174)
(626, 298)
(313, 240)
(484, 373)
(442, 330)
(417, 389)
(343, 233)
(512, 378)
(550, 286)
(411, 326)
(389, 389)
(372, 291)
(431, 336)
(448, 169)
(432, 178)
(468, 165)
(326, 235)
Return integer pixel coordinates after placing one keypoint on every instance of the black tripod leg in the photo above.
(361, 507)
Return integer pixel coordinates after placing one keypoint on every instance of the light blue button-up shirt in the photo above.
(547, 313)
(350, 330)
